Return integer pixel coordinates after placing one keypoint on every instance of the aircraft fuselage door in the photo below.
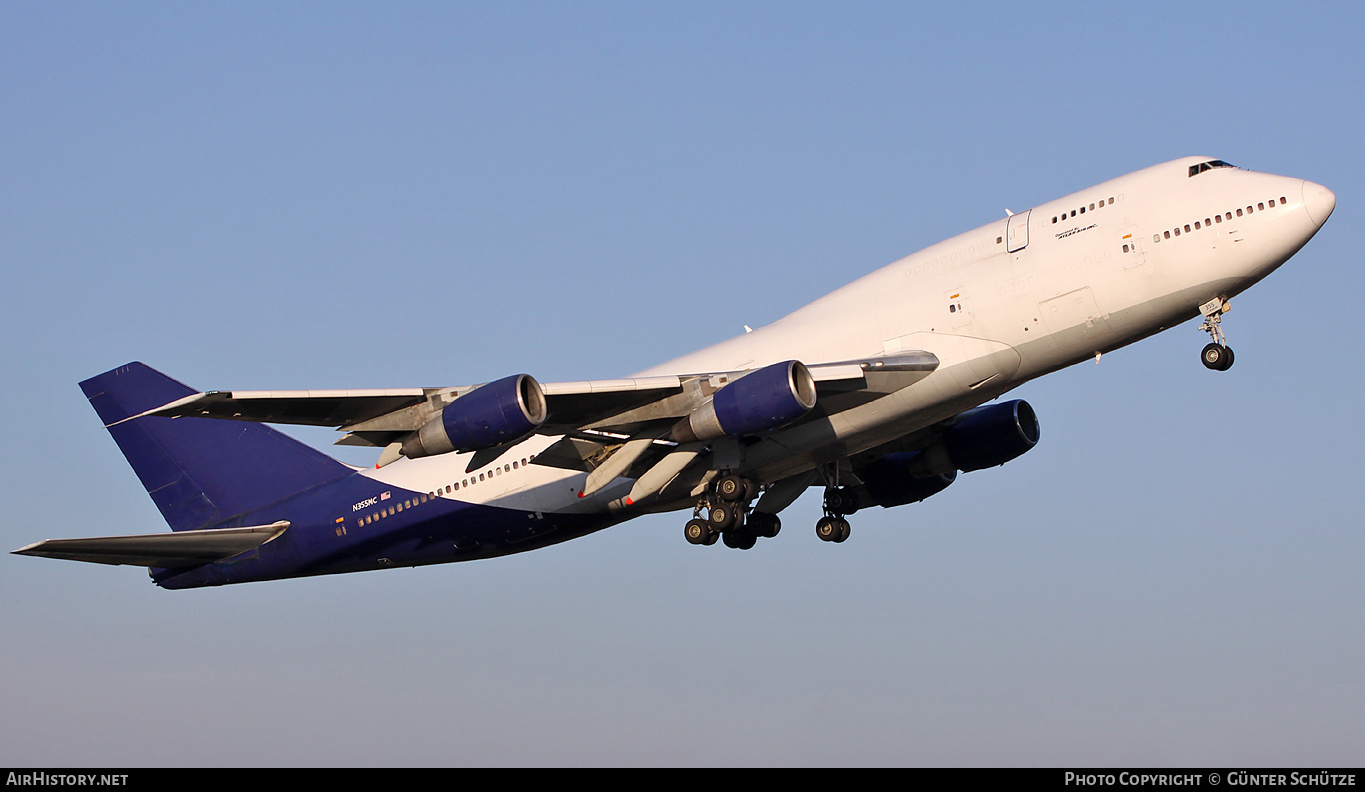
(1128, 243)
(1016, 232)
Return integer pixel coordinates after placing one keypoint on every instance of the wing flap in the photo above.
(167, 550)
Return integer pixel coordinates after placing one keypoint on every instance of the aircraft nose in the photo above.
(1319, 201)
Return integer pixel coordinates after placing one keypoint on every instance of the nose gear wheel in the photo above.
(1216, 356)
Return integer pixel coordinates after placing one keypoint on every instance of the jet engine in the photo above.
(983, 437)
(991, 435)
(499, 412)
(762, 400)
(889, 481)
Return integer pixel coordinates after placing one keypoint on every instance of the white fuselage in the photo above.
(999, 305)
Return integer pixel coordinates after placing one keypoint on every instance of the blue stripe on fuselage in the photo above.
(438, 531)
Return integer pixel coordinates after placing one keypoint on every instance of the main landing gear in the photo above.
(838, 503)
(724, 514)
(728, 517)
(1217, 355)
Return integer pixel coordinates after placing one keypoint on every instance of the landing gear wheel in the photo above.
(764, 525)
(831, 529)
(1216, 357)
(698, 532)
(739, 540)
(723, 516)
(840, 501)
(732, 489)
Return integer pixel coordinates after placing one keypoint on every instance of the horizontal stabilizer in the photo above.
(166, 550)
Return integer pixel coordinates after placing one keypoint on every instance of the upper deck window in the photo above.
(1195, 170)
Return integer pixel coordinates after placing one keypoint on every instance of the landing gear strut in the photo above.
(1217, 355)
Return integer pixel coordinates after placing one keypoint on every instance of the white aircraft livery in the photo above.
(880, 392)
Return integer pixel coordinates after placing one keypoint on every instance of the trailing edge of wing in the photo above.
(167, 550)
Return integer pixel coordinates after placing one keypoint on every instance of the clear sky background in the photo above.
(380, 195)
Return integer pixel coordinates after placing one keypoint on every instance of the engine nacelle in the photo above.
(760, 401)
(987, 436)
(490, 415)
(890, 481)
(991, 435)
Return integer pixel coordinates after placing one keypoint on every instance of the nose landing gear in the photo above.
(1216, 356)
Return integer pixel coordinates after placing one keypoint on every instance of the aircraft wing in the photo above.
(381, 417)
(302, 407)
(383, 413)
(167, 550)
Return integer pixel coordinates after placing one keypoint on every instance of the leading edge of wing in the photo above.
(166, 550)
(301, 407)
(906, 367)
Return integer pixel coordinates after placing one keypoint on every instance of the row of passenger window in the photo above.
(449, 488)
(1081, 210)
(1216, 219)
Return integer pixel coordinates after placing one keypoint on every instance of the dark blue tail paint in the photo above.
(201, 472)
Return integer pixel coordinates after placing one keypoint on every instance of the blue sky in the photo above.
(384, 195)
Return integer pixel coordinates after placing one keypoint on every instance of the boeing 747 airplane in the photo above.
(881, 392)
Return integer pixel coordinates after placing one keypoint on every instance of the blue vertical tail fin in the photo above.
(201, 472)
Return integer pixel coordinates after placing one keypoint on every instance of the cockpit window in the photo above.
(1195, 170)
